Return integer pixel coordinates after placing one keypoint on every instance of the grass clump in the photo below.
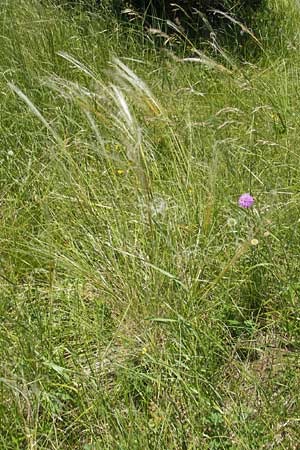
(141, 306)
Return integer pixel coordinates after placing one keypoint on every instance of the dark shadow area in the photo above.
(193, 17)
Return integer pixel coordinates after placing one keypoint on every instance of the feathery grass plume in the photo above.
(104, 103)
(242, 26)
(80, 66)
(111, 109)
(117, 104)
(124, 73)
(35, 111)
(202, 57)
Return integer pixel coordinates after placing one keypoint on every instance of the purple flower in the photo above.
(246, 200)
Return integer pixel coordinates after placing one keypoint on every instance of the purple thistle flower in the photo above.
(246, 200)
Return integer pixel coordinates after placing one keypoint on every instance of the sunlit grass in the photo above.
(141, 306)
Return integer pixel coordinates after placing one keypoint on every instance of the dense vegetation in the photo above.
(141, 306)
(192, 7)
(192, 16)
(189, 15)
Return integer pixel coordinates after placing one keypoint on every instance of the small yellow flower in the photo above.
(274, 116)
(144, 350)
(120, 171)
(254, 242)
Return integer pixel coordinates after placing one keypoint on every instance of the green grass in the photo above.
(141, 308)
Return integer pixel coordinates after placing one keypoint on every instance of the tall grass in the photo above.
(141, 307)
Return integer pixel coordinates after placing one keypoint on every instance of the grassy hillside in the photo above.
(141, 306)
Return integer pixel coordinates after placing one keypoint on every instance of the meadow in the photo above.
(141, 306)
